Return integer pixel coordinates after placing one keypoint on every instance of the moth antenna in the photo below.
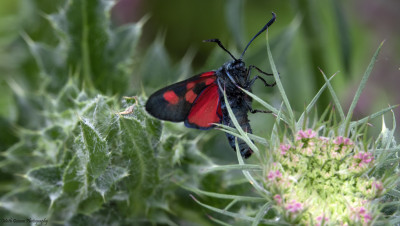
(261, 31)
(220, 45)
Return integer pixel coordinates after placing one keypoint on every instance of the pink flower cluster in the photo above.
(321, 220)
(284, 148)
(363, 158)
(278, 199)
(377, 185)
(306, 134)
(342, 141)
(307, 145)
(272, 175)
(294, 207)
(359, 213)
(376, 188)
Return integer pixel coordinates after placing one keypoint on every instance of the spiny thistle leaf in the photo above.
(24, 201)
(361, 87)
(334, 96)
(73, 179)
(49, 179)
(279, 84)
(89, 46)
(109, 178)
(311, 105)
(135, 145)
(94, 150)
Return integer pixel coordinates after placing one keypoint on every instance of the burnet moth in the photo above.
(199, 101)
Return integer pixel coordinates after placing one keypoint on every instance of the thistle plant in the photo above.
(76, 160)
(317, 170)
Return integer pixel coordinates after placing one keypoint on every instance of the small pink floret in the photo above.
(284, 148)
(364, 158)
(378, 185)
(306, 134)
(278, 199)
(294, 207)
(272, 175)
(321, 218)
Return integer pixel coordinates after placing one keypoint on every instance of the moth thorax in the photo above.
(237, 65)
(236, 72)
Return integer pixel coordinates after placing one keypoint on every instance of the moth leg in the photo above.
(262, 79)
(253, 111)
(259, 70)
(256, 77)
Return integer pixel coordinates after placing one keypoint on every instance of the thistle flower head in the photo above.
(321, 176)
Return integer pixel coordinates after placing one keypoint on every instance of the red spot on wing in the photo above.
(206, 74)
(190, 96)
(171, 97)
(209, 81)
(206, 110)
(190, 85)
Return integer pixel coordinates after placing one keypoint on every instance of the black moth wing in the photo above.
(173, 103)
